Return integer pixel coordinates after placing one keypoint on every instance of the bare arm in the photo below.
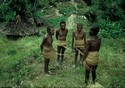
(66, 32)
(72, 39)
(99, 43)
(41, 46)
(57, 33)
(87, 49)
(85, 39)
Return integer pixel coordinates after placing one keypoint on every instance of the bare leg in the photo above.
(46, 65)
(81, 57)
(58, 56)
(94, 73)
(76, 55)
(62, 56)
(86, 76)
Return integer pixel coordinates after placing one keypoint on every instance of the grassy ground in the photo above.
(21, 62)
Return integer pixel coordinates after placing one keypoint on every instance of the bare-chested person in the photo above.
(92, 54)
(61, 37)
(79, 44)
(46, 48)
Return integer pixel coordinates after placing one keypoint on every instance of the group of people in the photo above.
(88, 49)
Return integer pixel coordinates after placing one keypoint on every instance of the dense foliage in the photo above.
(10, 8)
(109, 14)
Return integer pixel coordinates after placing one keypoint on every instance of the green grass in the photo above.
(16, 50)
(21, 62)
(111, 66)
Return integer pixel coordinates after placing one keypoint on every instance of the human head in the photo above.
(50, 30)
(62, 24)
(79, 26)
(94, 31)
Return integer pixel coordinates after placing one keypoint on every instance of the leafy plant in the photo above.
(66, 9)
(55, 21)
(110, 29)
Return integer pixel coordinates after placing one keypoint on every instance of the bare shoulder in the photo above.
(84, 33)
(73, 33)
(57, 30)
(66, 30)
(88, 40)
(99, 39)
(45, 37)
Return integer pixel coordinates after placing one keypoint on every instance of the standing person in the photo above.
(92, 54)
(61, 37)
(46, 48)
(79, 44)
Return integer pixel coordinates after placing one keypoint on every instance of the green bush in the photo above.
(42, 3)
(6, 12)
(110, 29)
(122, 4)
(110, 16)
(10, 8)
(111, 9)
(22, 7)
(55, 21)
(66, 9)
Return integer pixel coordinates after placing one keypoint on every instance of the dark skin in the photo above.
(78, 35)
(61, 35)
(62, 32)
(47, 42)
(92, 45)
(18, 19)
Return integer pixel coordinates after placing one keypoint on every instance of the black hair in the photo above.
(48, 28)
(62, 22)
(95, 30)
(80, 24)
